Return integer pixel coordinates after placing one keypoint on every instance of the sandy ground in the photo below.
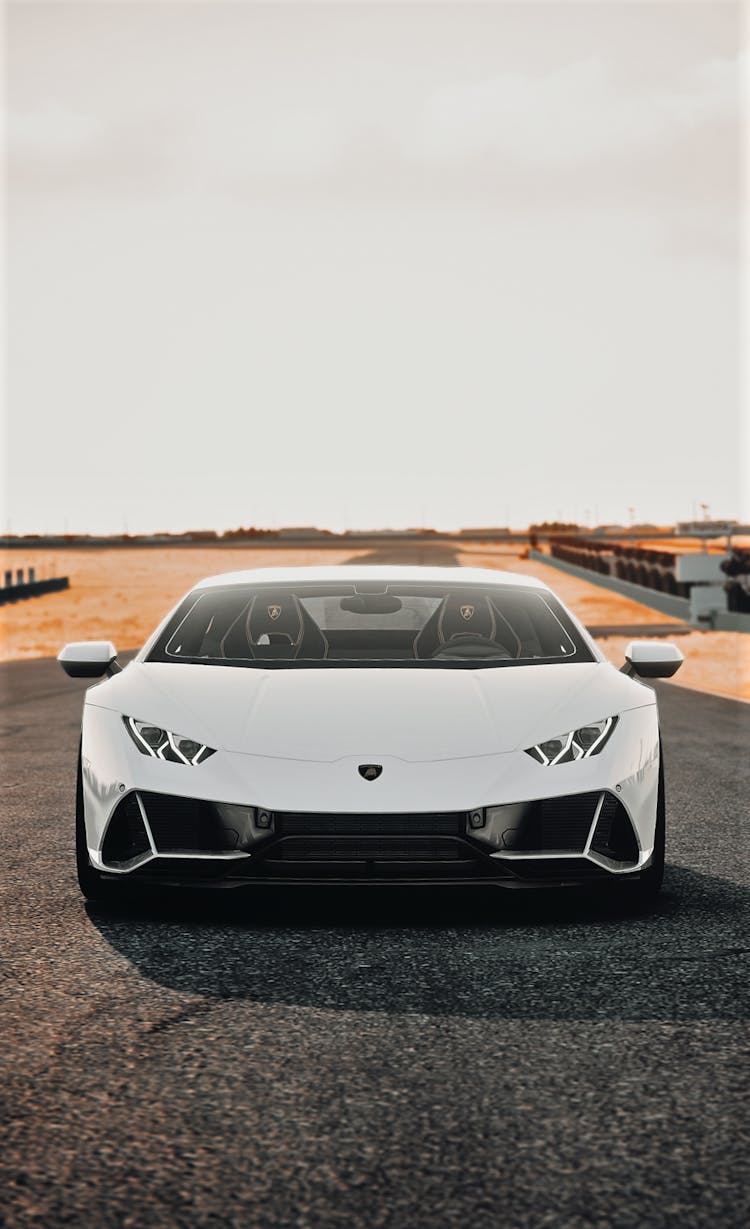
(121, 595)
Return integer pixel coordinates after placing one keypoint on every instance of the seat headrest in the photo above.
(275, 615)
(466, 614)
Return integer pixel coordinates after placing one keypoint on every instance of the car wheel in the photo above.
(650, 881)
(89, 880)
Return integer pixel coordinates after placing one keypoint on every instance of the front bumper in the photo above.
(568, 824)
(572, 839)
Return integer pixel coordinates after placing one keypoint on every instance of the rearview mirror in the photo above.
(90, 659)
(652, 659)
(371, 603)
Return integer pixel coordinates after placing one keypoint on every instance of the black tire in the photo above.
(650, 881)
(90, 881)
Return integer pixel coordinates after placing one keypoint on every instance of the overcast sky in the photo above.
(373, 264)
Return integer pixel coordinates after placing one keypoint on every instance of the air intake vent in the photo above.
(614, 836)
(302, 824)
(365, 849)
(554, 825)
(186, 825)
(126, 836)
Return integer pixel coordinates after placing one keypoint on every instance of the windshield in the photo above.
(368, 624)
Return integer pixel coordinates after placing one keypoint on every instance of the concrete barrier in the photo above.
(665, 603)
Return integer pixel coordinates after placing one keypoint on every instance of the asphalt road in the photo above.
(373, 1058)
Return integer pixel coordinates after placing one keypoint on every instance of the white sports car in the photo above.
(370, 724)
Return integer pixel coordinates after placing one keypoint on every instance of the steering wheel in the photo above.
(470, 640)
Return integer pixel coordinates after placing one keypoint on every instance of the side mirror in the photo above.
(652, 659)
(90, 659)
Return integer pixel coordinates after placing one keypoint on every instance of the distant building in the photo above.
(488, 531)
(705, 528)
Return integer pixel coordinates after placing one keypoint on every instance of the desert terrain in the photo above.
(121, 594)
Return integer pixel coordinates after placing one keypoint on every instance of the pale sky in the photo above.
(373, 264)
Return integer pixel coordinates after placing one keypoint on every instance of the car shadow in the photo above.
(481, 953)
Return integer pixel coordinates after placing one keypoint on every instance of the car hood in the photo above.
(412, 714)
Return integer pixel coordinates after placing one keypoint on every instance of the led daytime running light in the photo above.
(161, 744)
(575, 745)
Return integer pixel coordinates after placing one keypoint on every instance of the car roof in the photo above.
(352, 573)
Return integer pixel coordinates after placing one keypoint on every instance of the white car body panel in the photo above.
(322, 715)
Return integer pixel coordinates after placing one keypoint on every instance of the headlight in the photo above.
(577, 745)
(163, 745)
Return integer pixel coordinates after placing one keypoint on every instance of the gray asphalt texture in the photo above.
(379, 1057)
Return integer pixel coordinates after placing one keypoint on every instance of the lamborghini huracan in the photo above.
(370, 725)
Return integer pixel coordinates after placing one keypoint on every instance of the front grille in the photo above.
(366, 849)
(614, 836)
(126, 836)
(185, 825)
(301, 824)
(554, 825)
(363, 838)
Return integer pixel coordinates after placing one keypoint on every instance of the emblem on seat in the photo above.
(274, 611)
(467, 612)
(370, 772)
